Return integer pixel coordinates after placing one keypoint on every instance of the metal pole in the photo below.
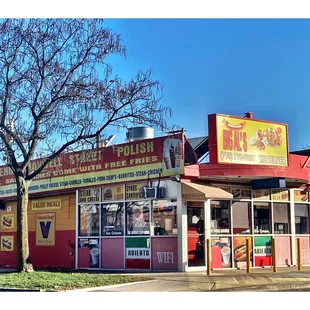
(248, 256)
(208, 257)
(274, 256)
(298, 255)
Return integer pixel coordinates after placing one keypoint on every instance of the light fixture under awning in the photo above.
(202, 192)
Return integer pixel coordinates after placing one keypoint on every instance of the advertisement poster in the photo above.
(138, 218)
(221, 253)
(138, 253)
(172, 154)
(45, 229)
(165, 253)
(251, 142)
(262, 251)
(7, 221)
(112, 193)
(240, 251)
(261, 194)
(300, 197)
(7, 243)
(112, 216)
(127, 162)
(46, 204)
(241, 192)
(89, 220)
(280, 194)
(89, 253)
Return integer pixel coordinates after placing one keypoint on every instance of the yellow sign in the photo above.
(280, 194)
(112, 193)
(46, 204)
(135, 191)
(299, 197)
(45, 229)
(89, 195)
(250, 142)
(7, 243)
(7, 221)
(261, 194)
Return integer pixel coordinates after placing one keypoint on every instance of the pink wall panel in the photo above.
(283, 251)
(112, 253)
(165, 253)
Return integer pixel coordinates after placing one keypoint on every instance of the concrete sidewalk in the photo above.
(286, 279)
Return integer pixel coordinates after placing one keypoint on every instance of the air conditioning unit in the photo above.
(154, 192)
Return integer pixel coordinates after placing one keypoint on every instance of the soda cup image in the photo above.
(226, 255)
(172, 155)
(94, 254)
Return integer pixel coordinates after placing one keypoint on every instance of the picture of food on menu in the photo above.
(7, 221)
(107, 193)
(112, 193)
(7, 243)
(172, 155)
(269, 137)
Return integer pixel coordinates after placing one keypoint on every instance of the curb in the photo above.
(96, 288)
(291, 286)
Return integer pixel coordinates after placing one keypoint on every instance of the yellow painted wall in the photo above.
(65, 216)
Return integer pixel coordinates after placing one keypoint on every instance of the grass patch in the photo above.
(61, 281)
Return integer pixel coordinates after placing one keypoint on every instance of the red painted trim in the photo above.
(305, 163)
(212, 138)
(237, 170)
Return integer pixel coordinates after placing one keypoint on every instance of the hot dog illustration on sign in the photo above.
(234, 139)
(7, 221)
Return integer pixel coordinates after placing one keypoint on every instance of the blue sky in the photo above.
(228, 66)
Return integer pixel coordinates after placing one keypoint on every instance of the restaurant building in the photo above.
(150, 204)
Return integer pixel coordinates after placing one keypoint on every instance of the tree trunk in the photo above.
(23, 258)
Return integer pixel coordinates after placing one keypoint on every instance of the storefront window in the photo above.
(281, 218)
(262, 218)
(165, 217)
(112, 215)
(138, 218)
(89, 220)
(302, 219)
(220, 217)
(241, 217)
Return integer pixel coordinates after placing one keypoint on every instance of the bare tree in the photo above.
(57, 93)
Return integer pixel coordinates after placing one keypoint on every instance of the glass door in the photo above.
(195, 234)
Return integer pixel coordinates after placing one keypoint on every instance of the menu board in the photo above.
(280, 194)
(89, 195)
(300, 197)
(241, 192)
(261, 194)
(135, 191)
(112, 193)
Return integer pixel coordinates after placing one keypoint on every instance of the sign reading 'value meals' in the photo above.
(250, 142)
(150, 158)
